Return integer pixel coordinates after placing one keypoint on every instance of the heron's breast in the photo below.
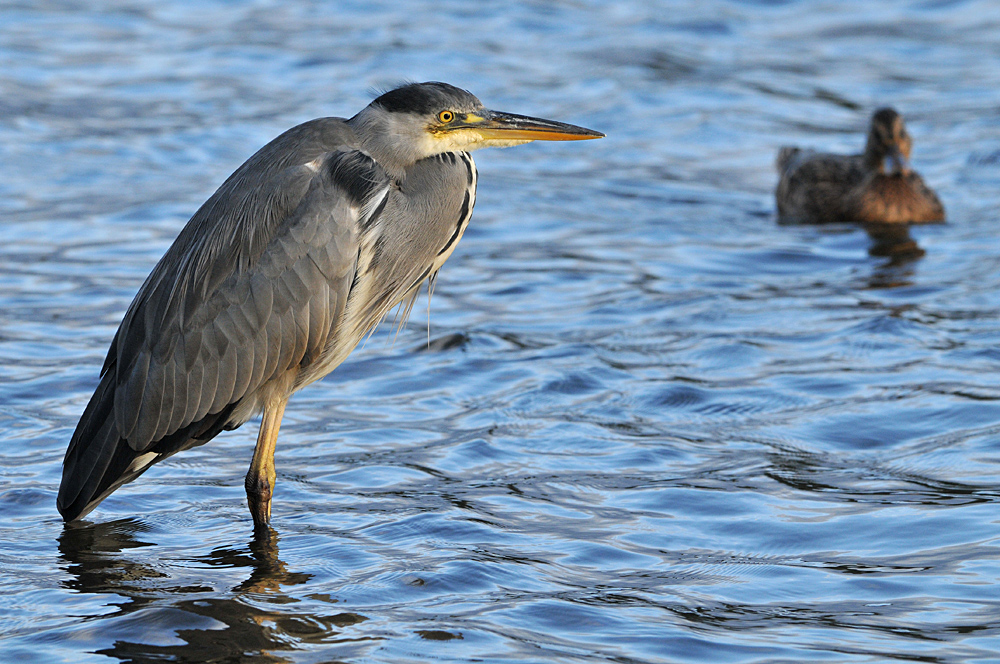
(416, 230)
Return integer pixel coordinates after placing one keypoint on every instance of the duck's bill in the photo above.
(896, 163)
(511, 127)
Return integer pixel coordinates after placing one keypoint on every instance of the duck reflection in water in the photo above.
(214, 626)
(892, 241)
(876, 186)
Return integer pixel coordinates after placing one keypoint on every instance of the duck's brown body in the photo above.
(821, 188)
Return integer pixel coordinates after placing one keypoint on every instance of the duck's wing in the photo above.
(813, 186)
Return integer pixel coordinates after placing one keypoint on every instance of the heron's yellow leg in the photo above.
(260, 478)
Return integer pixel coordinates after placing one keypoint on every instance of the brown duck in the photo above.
(818, 187)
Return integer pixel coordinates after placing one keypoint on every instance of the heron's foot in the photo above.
(259, 491)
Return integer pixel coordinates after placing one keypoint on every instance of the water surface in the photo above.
(651, 425)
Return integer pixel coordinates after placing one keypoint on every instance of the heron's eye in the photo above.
(446, 116)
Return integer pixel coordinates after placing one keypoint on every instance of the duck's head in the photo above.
(889, 144)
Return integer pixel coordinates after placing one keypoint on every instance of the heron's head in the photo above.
(889, 144)
(420, 120)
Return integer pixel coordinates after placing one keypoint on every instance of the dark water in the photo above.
(652, 425)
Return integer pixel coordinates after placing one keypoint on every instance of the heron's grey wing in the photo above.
(253, 285)
(252, 289)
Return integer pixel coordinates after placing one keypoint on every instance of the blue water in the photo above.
(652, 425)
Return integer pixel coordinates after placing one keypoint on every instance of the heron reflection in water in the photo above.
(278, 276)
(107, 560)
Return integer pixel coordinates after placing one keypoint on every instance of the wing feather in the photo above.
(226, 372)
(244, 359)
(181, 398)
(200, 404)
(247, 288)
(127, 404)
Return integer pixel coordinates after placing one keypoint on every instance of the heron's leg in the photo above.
(260, 478)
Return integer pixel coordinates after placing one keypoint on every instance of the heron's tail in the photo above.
(97, 458)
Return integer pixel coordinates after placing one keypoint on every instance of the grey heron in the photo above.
(277, 277)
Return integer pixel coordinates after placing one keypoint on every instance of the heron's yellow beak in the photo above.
(497, 126)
